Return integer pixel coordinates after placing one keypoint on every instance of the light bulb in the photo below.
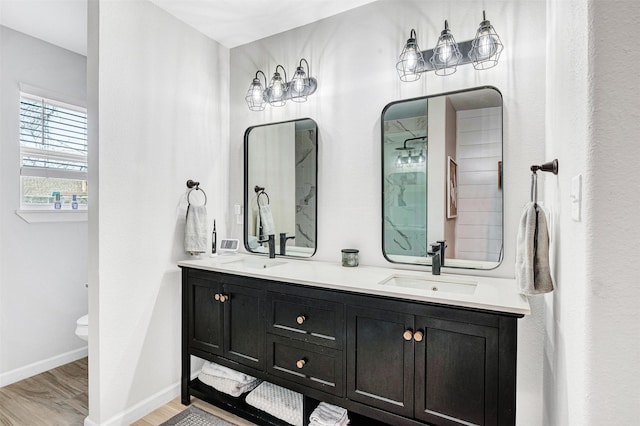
(445, 53)
(486, 45)
(411, 59)
(298, 85)
(256, 93)
(277, 89)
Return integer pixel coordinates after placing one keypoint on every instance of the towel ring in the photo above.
(197, 189)
(260, 191)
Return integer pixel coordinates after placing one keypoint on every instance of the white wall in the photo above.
(353, 57)
(43, 266)
(161, 89)
(479, 148)
(591, 343)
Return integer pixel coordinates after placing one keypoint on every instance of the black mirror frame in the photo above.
(382, 180)
(246, 183)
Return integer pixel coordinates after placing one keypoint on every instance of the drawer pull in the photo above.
(224, 298)
(300, 363)
(418, 336)
(407, 335)
(301, 319)
(217, 297)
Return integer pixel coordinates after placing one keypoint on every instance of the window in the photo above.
(53, 154)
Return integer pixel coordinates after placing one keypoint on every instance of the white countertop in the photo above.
(493, 294)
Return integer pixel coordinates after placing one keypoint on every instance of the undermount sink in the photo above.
(432, 284)
(257, 263)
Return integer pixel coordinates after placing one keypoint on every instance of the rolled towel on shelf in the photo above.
(533, 273)
(277, 401)
(217, 370)
(228, 386)
(328, 415)
(195, 230)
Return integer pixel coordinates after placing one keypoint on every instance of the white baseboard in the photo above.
(41, 366)
(141, 409)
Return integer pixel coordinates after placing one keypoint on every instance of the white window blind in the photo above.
(53, 150)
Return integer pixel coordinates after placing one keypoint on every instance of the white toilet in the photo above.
(82, 328)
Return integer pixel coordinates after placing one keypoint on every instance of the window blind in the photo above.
(53, 139)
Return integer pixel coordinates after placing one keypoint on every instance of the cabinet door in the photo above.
(456, 368)
(205, 315)
(244, 332)
(379, 359)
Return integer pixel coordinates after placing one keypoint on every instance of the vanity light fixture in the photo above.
(446, 54)
(255, 94)
(411, 60)
(280, 90)
(411, 158)
(483, 52)
(486, 47)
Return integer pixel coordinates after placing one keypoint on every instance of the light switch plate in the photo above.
(576, 197)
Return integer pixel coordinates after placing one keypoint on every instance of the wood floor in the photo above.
(56, 397)
(59, 397)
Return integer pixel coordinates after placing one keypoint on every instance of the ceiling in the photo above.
(229, 22)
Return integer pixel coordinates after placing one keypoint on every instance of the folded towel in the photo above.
(228, 386)
(533, 273)
(281, 403)
(217, 370)
(266, 220)
(328, 415)
(195, 230)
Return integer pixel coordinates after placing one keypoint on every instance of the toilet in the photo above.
(82, 328)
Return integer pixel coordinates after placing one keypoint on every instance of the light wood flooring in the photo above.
(56, 397)
(59, 397)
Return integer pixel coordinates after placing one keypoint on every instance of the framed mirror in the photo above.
(442, 178)
(280, 187)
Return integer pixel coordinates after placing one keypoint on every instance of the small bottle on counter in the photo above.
(74, 202)
(350, 257)
(57, 204)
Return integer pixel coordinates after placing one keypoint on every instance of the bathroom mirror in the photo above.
(442, 178)
(280, 179)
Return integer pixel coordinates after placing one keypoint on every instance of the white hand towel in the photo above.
(533, 273)
(328, 415)
(280, 402)
(266, 220)
(195, 230)
(228, 386)
(217, 370)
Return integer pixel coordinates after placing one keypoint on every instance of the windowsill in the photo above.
(48, 216)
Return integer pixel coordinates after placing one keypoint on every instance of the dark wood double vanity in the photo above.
(386, 360)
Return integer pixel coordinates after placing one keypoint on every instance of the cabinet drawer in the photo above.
(312, 365)
(310, 320)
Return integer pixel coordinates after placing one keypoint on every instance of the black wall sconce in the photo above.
(279, 91)
(483, 52)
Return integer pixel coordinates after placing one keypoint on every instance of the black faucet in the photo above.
(437, 256)
(283, 242)
(442, 247)
(272, 245)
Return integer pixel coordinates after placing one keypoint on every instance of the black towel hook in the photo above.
(551, 166)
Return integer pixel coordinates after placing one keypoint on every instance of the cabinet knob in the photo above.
(418, 336)
(407, 335)
(300, 363)
(224, 298)
(301, 319)
(217, 297)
